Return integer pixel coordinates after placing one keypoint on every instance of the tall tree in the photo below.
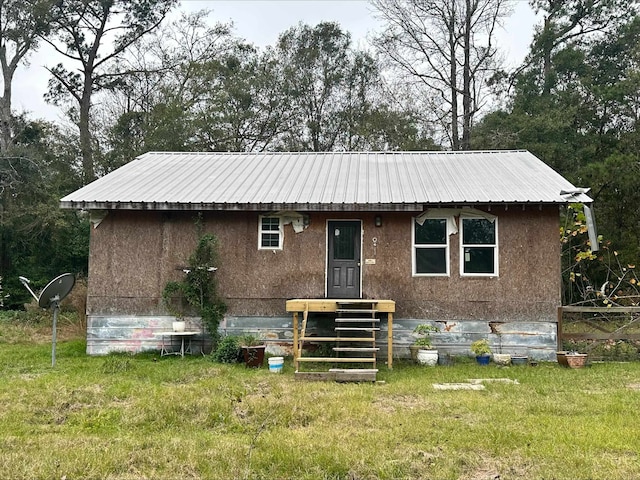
(94, 33)
(166, 79)
(328, 81)
(21, 22)
(37, 238)
(583, 121)
(571, 22)
(447, 49)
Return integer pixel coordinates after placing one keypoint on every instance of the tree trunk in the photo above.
(86, 148)
(6, 135)
(466, 80)
(546, 56)
(453, 66)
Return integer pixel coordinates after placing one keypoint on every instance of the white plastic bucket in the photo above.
(276, 364)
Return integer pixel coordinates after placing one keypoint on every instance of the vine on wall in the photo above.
(197, 293)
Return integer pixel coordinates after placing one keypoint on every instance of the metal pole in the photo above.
(56, 307)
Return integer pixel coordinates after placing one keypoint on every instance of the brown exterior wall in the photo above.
(134, 253)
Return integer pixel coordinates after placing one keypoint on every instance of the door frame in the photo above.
(326, 255)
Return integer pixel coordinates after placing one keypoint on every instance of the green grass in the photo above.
(146, 417)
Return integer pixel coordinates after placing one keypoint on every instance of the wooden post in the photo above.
(390, 340)
(295, 339)
(559, 339)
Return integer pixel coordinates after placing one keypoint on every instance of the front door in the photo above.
(343, 265)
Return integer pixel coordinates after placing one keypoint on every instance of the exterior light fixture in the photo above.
(378, 221)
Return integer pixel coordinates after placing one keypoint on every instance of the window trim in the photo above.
(261, 231)
(495, 246)
(446, 246)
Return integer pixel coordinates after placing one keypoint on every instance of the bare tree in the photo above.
(94, 33)
(21, 21)
(446, 48)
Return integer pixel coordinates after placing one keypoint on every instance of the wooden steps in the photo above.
(355, 327)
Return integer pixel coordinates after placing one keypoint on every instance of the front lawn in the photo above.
(146, 417)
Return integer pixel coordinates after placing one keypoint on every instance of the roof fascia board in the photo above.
(331, 207)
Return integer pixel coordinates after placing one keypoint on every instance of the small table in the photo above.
(181, 335)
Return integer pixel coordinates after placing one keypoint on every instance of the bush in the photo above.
(227, 350)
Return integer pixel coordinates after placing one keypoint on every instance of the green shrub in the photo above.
(227, 350)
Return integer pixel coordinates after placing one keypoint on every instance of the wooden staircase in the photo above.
(354, 354)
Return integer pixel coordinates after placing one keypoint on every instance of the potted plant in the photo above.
(503, 359)
(575, 359)
(252, 349)
(482, 351)
(425, 354)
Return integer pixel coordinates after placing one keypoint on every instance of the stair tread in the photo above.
(358, 302)
(337, 360)
(357, 329)
(356, 310)
(337, 339)
(354, 370)
(357, 320)
(356, 349)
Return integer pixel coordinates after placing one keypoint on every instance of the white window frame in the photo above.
(494, 245)
(280, 233)
(445, 245)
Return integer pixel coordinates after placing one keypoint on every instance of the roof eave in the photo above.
(320, 207)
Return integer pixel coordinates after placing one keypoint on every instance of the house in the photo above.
(468, 241)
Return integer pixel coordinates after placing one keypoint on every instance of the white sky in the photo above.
(260, 22)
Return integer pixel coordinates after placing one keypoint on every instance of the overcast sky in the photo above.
(260, 22)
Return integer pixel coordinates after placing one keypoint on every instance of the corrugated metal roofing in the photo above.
(324, 181)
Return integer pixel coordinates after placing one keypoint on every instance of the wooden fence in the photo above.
(600, 329)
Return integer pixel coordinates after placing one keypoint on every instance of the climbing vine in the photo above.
(197, 292)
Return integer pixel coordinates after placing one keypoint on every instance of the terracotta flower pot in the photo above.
(576, 360)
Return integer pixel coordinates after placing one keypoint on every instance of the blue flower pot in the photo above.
(483, 359)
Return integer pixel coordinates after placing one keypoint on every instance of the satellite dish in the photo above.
(56, 290)
(51, 296)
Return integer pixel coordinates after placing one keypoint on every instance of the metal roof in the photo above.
(325, 181)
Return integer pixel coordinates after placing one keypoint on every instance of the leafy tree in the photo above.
(581, 118)
(165, 81)
(37, 239)
(84, 27)
(571, 22)
(332, 87)
(244, 108)
(21, 22)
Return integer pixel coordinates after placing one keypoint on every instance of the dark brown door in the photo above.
(343, 266)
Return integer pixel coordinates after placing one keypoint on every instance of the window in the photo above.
(479, 246)
(431, 247)
(270, 233)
